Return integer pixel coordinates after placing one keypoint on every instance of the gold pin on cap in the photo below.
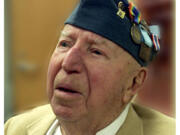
(136, 34)
(120, 12)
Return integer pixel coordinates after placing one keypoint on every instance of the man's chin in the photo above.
(66, 113)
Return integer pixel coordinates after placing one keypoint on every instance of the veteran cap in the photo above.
(119, 21)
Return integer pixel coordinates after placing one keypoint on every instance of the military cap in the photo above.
(119, 21)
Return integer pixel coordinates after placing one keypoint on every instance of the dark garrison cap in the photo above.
(102, 18)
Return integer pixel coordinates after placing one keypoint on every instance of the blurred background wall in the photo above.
(32, 28)
(159, 90)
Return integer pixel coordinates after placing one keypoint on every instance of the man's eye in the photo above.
(96, 52)
(64, 44)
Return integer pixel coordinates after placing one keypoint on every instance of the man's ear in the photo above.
(136, 83)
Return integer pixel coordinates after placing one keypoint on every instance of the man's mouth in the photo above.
(67, 90)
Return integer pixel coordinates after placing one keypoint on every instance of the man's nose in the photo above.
(72, 62)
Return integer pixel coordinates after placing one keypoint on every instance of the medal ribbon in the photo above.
(156, 42)
(134, 13)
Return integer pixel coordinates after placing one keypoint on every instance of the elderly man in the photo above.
(98, 65)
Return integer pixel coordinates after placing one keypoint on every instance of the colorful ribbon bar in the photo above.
(156, 42)
(134, 13)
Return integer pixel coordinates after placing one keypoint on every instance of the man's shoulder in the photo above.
(34, 113)
(20, 122)
(154, 121)
(148, 114)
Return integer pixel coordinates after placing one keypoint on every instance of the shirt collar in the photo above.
(111, 129)
(54, 129)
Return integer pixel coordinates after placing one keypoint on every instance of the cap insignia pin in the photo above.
(120, 12)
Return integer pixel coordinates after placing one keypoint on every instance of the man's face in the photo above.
(87, 76)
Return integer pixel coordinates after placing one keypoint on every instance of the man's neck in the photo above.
(83, 127)
(87, 126)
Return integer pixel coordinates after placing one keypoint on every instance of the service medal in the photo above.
(136, 34)
(145, 52)
(145, 26)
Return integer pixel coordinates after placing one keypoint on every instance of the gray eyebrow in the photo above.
(64, 33)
